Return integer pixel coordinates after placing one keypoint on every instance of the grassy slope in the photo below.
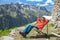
(32, 33)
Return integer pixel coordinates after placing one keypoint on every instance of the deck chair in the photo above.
(39, 31)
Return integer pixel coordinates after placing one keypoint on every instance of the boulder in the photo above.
(6, 38)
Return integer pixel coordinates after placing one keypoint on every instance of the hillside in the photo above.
(15, 15)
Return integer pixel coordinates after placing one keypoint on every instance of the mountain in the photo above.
(48, 4)
(43, 8)
(15, 15)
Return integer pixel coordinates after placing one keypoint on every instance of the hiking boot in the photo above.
(23, 34)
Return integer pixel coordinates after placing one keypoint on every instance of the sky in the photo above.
(48, 4)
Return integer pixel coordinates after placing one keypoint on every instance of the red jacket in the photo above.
(40, 24)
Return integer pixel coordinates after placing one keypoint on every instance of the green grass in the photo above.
(5, 32)
(51, 25)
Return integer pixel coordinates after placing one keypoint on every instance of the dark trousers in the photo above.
(29, 28)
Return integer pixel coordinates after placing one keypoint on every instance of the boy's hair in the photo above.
(43, 18)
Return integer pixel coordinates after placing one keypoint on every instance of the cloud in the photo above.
(34, 0)
(20, 2)
(42, 4)
(47, 3)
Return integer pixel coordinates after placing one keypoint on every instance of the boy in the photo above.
(39, 25)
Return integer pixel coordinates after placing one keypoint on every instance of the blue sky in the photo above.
(49, 4)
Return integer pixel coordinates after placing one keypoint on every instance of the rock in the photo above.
(57, 24)
(6, 38)
(55, 34)
(13, 32)
(20, 29)
(56, 13)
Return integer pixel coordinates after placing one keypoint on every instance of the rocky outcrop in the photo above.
(56, 13)
(56, 10)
